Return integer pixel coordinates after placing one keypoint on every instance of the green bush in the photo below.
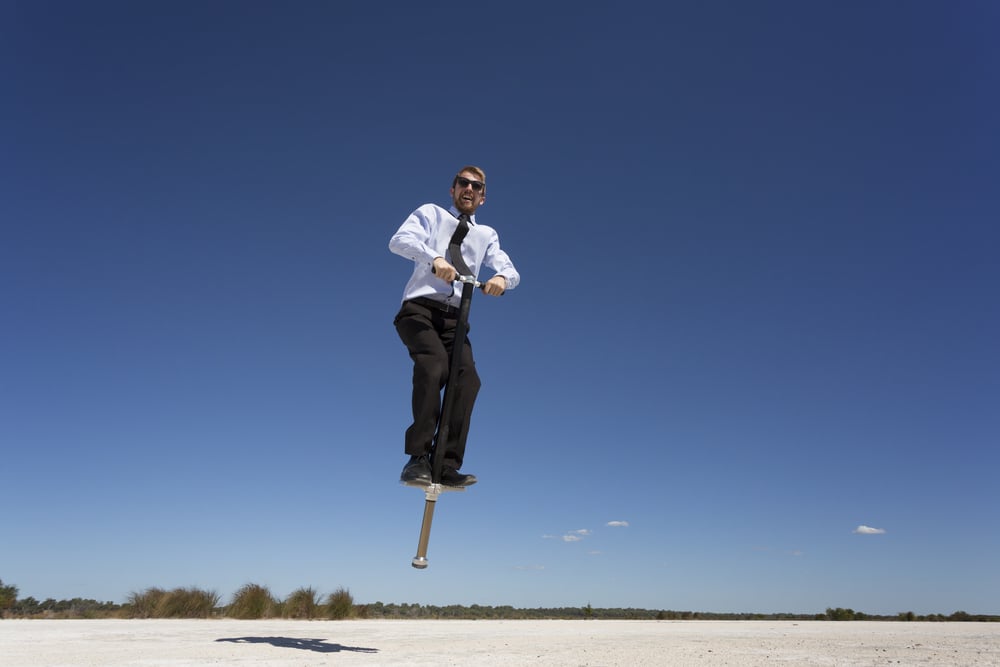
(252, 601)
(302, 603)
(187, 603)
(178, 603)
(8, 597)
(339, 605)
(144, 604)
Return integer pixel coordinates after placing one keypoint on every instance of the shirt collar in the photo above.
(454, 212)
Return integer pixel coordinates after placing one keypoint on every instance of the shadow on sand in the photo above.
(317, 645)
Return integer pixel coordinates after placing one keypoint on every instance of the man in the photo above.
(427, 319)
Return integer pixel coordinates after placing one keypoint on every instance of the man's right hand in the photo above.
(444, 270)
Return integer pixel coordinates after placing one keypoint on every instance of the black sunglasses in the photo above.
(462, 182)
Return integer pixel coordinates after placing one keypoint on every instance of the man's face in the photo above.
(468, 193)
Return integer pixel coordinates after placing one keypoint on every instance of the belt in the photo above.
(435, 305)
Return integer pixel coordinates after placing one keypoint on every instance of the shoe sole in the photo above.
(460, 486)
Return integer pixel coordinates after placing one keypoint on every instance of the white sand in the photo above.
(276, 643)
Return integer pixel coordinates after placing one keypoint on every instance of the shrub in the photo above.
(339, 605)
(301, 603)
(144, 604)
(8, 597)
(252, 601)
(178, 603)
(187, 603)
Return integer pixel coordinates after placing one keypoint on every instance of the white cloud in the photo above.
(576, 535)
(618, 524)
(868, 530)
(571, 535)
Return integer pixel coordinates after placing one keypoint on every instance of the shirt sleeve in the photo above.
(500, 262)
(411, 239)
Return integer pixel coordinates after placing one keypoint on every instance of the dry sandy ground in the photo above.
(113, 643)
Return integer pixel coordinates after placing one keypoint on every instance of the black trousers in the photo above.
(429, 335)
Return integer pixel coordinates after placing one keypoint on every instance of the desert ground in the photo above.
(277, 643)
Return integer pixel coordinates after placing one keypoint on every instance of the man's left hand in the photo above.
(495, 286)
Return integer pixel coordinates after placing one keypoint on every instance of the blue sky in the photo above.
(758, 305)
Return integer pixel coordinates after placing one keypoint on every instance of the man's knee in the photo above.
(470, 379)
(431, 369)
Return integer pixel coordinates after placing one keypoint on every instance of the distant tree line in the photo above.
(254, 601)
(840, 614)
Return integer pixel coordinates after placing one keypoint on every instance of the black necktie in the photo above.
(455, 245)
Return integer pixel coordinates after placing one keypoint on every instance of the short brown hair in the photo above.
(475, 170)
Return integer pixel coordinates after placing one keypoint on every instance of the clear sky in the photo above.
(751, 366)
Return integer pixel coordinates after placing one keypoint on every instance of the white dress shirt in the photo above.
(425, 235)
